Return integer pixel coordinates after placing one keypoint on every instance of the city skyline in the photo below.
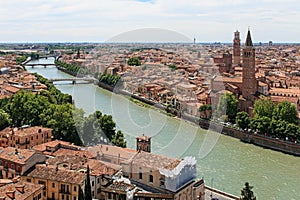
(99, 21)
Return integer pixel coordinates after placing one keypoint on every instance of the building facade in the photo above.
(15, 162)
(59, 184)
(25, 137)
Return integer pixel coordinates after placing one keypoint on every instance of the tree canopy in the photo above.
(286, 111)
(242, 120)
(54, 109)
(247, 193)
(4, 119)
(134, 61)
(228, 105)
(263, 107)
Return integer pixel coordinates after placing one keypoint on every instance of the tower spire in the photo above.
(248, 39)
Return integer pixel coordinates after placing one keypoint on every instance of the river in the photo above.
(223, 161)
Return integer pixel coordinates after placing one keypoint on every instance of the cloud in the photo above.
(98, 20)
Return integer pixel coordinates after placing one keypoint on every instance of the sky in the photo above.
(101, 20)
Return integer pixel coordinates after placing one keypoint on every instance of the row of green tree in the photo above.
(75, 69)
(54, 110)
(275, 120)
(270, 119)
(109, 79)
(21, 59)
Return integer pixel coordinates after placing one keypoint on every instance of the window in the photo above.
(39, 196)
(53, 195)
(12, 166)
(92, 183)
(0, 162)
(93, 193)
(74, 198)
(98, 180)
(98, 190)
(150, 178)
(28, 180)
(53, 185)
(75, 188)
(140, 175)
(42, 182)
(63, 197)
(162, 182)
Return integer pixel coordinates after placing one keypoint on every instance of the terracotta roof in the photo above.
(54, 144)
(11, 89)
(278, 99)
(70, 152)
(60, 175)
(76, 163)
(102, 149)
(16, 155)
(154, 161)
(98, 168)
(16, 188)
(68, 162)
(120, 186)
(24, 131)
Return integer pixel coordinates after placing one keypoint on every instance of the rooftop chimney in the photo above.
(11, 194)
(20, 188)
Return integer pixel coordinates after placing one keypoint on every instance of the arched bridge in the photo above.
(76, 80)
(45, 65)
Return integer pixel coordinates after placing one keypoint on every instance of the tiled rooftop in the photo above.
(24, 131)
(17, 189)
(57, 174)
(19, 156)
(154, 161)
(102, 149)
(54, 144)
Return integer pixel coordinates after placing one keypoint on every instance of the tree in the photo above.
(292, 131)
(261, 124)
(173, 67)
(206, 110)
(263, 107)
(247, 193)
(286, 111)
(87, 186)
(80, 194)
(107, 125)
(119, 140)
(134, 61)
(228, 106)
(242, 120)
(4, 119)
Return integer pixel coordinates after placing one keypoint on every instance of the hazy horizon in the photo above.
(58, 21)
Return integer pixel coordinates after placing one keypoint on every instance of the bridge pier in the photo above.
(73, 82)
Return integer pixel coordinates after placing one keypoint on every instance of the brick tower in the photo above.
(236, 49)
(143, 143)
(249, 81)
